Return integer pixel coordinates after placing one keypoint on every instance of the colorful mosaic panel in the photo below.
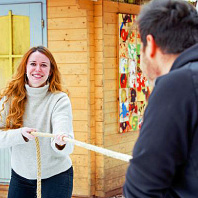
(133, 86)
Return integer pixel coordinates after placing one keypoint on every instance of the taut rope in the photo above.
(116, 155)
(113, 154)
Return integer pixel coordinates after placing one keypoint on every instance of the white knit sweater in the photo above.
(49, 113)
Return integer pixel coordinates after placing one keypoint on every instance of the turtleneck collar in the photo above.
(39, 92)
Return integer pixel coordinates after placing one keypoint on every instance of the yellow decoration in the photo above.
(123, 95)
(15, 40)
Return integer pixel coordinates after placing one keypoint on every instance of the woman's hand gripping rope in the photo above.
(26, 133)
(116, 155)
(59, 141)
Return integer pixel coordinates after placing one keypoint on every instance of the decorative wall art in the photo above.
(133, 86)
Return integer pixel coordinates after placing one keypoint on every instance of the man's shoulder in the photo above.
(176, 85)
(179, 77)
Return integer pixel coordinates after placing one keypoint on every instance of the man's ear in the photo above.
(151, 45)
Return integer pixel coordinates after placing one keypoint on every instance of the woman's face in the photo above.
(37, 69)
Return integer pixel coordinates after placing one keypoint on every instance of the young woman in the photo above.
(34, 101)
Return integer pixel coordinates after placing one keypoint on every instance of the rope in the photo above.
(113, 154)
(38, 157)
(116, 155)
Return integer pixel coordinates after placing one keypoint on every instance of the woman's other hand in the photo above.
(59, 139)
(59, 142)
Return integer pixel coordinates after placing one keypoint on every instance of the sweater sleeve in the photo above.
(162, 147)
(11, 137)
(62, 123)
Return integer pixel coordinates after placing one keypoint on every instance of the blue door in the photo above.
(33, 11)
(37, 31)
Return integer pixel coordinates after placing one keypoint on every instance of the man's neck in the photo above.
(166, 62)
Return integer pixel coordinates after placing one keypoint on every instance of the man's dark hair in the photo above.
(172, 23)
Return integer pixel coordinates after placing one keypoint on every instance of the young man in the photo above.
(165, 157)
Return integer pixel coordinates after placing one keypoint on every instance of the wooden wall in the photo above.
(83, 37)
(99, 94)
(4, 191)
(114, 169)
(70, 39)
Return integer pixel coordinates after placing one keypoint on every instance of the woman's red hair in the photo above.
(15, 92)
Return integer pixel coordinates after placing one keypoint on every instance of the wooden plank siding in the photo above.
(3, 191)
(69, 39)
(99, 102)
(114, 170)
(83, 37)
(91, 102)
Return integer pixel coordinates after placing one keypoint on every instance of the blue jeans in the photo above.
(58, 186)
